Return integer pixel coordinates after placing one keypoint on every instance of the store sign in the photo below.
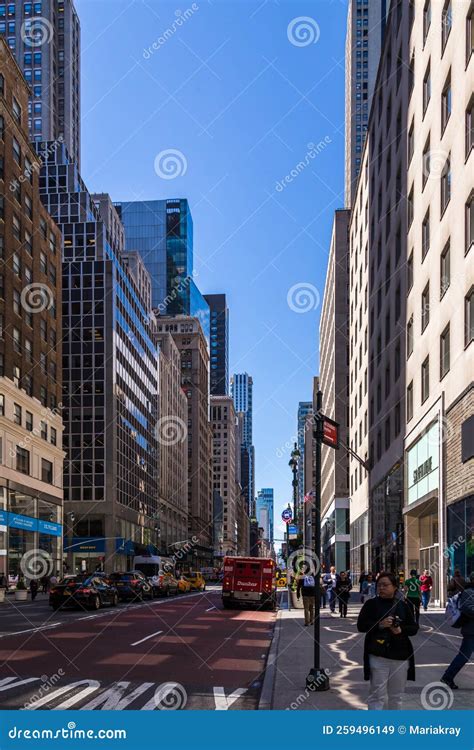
(81, 545)
(50, 528)
(28, 523)
(423, 466)
(330, 433)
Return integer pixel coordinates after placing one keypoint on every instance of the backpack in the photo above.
(453, 611)
(308, 581)
(466, 603)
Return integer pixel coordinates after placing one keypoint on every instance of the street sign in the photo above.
(287, 515)
(292, 529)
(330, 432)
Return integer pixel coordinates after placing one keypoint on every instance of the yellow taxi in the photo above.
(196, 580)
(183, 585)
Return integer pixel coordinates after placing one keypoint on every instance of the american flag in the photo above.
(309, 496)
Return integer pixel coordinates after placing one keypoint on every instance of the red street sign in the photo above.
(330, 433)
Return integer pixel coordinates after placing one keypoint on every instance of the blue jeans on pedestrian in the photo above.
(465, 653)
(332, 599)
(425, 598)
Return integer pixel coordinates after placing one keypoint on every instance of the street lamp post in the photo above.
(317, 679)
(293, 464)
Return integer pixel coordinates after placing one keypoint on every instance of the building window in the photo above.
(446, 184)
(44, 430)
(29, 421)
(16, 109)
(426, 166)
(426, 19)
(469, 127)
(444, 363)
(22, 460)
(46, 471)
(425, 380)
(410, 207)
(53, 436)
(411, 141)
(410, 337)
(410, 272)
(16, 151)
(17, 414)
(425, 307)
(425, 235)
(469, 229)
(410, 401)
(446, 103)
(470, 33)
(446, 23)
(469, 317)
(445, 270)
(427, 88)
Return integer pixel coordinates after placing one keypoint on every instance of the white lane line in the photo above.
(147, 637)
(31, 630)
(211, 608)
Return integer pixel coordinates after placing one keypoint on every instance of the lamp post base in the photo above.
(317, 680)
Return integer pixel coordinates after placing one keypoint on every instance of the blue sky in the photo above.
(241, 89)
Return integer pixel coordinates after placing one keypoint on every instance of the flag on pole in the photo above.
(309, 496)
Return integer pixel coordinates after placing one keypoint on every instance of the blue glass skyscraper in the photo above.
(162, 232)
(265, 508)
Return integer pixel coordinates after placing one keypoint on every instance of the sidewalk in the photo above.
(292, 652)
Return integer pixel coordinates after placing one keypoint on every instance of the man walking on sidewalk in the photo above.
(330, 581)
(413, 592)
(306, 586)
(426, 586)
(466, 607)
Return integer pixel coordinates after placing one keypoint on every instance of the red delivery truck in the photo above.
(249, 581)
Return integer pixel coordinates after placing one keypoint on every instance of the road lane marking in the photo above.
(114, 699)
(32, 630)
(8, 683)
(90, 686)
(223, 701)
(211, 608)
(146, 638)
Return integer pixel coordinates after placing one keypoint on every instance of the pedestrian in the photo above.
(322, 590)
(456, 584)
(330, 581)
(413, 592)
(368, 589)
(33, 588)
(426, 585)
(306, 586)
(343, 592)
(466, 607)
(54, 579)
(44, 584)
(388, 652)
(362, 578)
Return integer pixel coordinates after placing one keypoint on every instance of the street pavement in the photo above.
(179, 652)
(341, 653)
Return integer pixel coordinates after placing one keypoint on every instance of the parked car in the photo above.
(183, 585)
(196, 580)
(84, 591)
(132, 586)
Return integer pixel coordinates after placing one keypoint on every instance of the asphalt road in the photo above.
(185, 651)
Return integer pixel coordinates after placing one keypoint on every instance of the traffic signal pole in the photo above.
(317, 679)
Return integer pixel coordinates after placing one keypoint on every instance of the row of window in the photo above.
(29, 423)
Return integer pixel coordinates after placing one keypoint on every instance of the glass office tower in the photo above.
(110, 380)
(162, 232)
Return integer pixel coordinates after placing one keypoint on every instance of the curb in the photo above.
(266, 696)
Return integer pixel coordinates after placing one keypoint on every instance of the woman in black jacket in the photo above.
(343, 592)
(388, 653)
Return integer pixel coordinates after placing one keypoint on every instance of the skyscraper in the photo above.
(45, 38)
(224, 429)
(334, 378)
(110, 378)
(31, 464)
(265, 512)
(162, 232)
(242, 394)
(219, 342)
(365, 30)
(304, 408)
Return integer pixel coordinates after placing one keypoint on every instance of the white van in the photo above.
(159, 571)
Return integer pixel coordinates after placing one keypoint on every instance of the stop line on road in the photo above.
(91, 695)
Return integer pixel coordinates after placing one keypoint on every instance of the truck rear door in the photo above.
(248, 580)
